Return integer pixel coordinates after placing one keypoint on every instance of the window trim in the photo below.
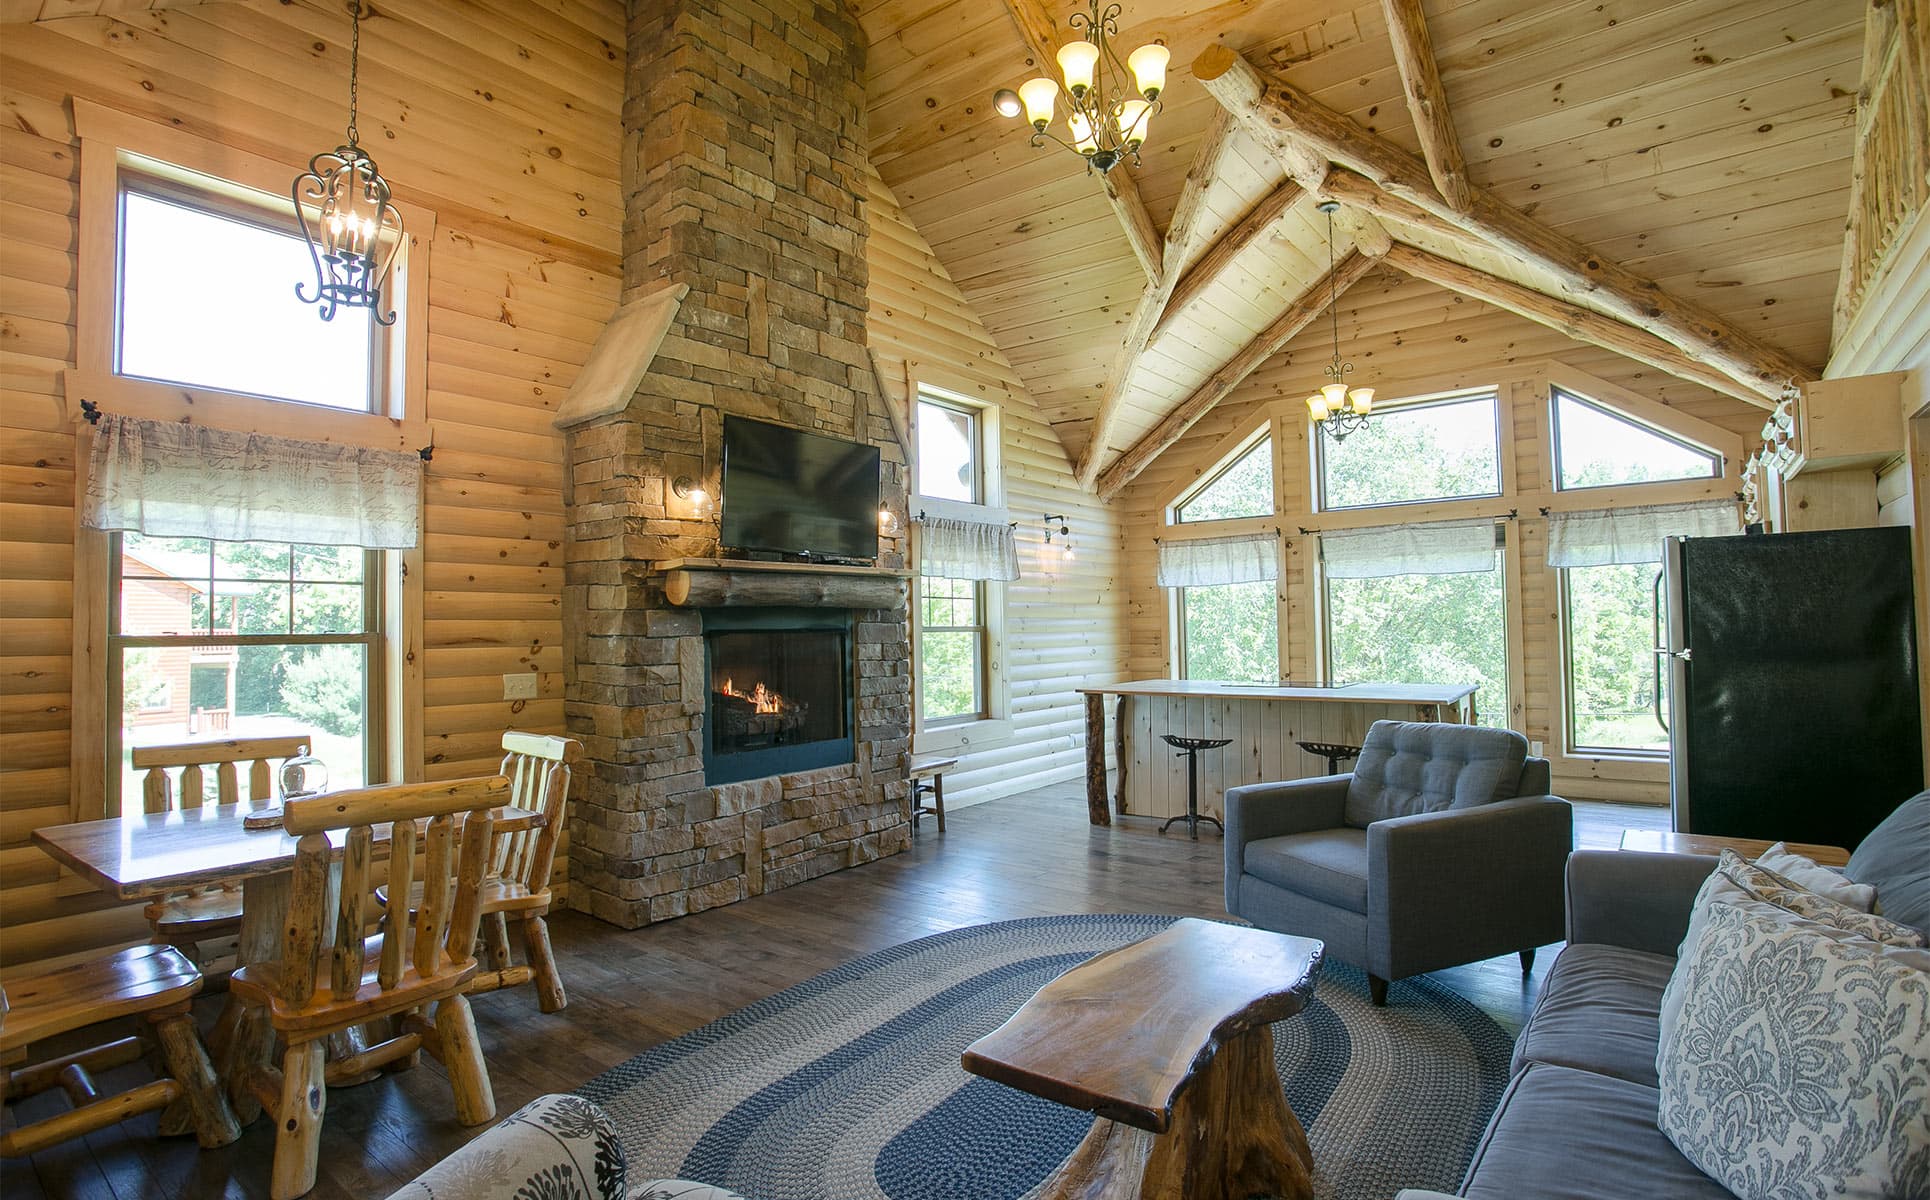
(1496, 394)
(107, 138)
(1557, 391)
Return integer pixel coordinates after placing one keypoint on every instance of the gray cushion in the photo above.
(1329, 865)
(1564, 1134)
(1536, 779)
(1408, 767)
(1598, 1013)
(1895, 860)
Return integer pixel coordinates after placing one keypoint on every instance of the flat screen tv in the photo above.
(798, 494)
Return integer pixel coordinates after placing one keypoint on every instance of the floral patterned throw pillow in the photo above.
(1799, 1063)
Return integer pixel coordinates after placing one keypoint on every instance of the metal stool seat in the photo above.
(1189, 749)
(1334, 752)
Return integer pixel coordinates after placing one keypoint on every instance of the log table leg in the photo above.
(1233, 1137)
(1096, 759)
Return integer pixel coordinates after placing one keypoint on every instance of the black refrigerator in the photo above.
(1793, 703)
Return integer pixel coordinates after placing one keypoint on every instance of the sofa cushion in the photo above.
(1563, 1134)
(1328, 865)
(1895, 860)
(1598, 1013)
(1795, 1067)
(1408, 767)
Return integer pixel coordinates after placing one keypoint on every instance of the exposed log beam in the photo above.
(1370, 236)
(1255, 227)
(1308, 305)
(1582, 324)
(1041, 36)
(1360, 194)
(1184, 233)
(1279, 115)
(1426, 101)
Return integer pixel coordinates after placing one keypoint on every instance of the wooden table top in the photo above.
(1657, 841)
(1122, 1034)
(1351, 693)
(163, 852)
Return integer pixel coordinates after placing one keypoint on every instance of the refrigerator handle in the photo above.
(1661, 652)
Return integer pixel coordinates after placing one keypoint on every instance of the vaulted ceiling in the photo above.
(1703, 143)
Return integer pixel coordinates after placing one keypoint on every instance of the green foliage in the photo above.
(949, 675)
(1425, 453)
(1244, 489)
(322, 686)
(1598, 447)
(1611, 656)
(143, 686)
(1445, 629)
(1231, 632)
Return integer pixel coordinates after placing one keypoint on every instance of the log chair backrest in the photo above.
(159, 793)
(538, 770)
(444, 935)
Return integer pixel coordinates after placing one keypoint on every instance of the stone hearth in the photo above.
(744, 161)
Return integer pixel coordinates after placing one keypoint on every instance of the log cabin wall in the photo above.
(1409, 338)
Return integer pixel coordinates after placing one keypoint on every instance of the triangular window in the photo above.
(1241, 488)
(1595, 446)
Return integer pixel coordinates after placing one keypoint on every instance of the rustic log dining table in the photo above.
(151, 854)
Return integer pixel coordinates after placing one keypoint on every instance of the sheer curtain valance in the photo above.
(1633, 535)
(1207, 562)
(175, 480)
(1432, 548)
(950, 548)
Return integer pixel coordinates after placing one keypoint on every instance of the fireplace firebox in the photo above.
(779, 693)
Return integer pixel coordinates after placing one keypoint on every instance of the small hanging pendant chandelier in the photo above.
(1336, 408)
(356, 232)
(1108, 119)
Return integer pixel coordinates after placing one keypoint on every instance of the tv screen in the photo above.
(786, 491)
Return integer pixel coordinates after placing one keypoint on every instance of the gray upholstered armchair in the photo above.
(1441, 848)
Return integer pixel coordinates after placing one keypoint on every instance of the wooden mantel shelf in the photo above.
(733, 582)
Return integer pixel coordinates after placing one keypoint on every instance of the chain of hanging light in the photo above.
(1106, 120)
(356, 232)
(1336, 408)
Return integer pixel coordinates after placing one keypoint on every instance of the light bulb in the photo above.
(1040, 96)
(1148, 65)
(1007, 102)
(1135, 118)
(1336, 396)
(884, 517)
(1082, 137)
(1362, 399)
(1076, 62)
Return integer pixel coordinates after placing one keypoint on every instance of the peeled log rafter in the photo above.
(1251, 229)
(1282, 116)
(1308, 305)
(1582, 324)
(1427, 101)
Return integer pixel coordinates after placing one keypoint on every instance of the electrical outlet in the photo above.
(520, 687)
(1534, 748)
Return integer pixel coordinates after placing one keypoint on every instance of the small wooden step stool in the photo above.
(928, 777)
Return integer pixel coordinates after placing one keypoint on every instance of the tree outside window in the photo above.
(1229, 631)
(1445, 629)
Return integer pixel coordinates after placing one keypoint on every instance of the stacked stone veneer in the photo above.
(744, 161)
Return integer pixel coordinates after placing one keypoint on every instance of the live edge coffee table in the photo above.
(1169, 1043)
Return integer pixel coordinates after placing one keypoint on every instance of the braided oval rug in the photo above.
(847, 1086)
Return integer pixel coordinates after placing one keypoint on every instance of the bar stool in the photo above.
(928, 779)
(1189, 748)
(1334, 752)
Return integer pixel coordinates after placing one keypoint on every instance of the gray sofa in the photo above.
(1578, 1121)
(1442, 847)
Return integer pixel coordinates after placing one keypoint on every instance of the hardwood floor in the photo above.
(1028, 855)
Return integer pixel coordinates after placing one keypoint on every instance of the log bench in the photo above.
(1169, 1042)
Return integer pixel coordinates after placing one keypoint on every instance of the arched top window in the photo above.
(1597, 446)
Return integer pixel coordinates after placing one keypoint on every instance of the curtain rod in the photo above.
(1510, 515)
(91, 413)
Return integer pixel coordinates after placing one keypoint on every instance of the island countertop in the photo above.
(1350, 693)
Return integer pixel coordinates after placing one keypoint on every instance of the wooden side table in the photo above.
(1169, 1042)
(928, 779)
(1656, 841)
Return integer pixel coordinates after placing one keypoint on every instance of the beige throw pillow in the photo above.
(1804, 872)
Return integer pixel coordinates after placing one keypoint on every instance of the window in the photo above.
(206, 298)
(1423, 628)
(1241, 488)
(1616, 700)
(1443, 449)
(952, 638)
(949, 459)
(214, 640)
(1229, 631)
(1598, 447)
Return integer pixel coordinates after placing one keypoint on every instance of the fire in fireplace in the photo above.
(779, 693)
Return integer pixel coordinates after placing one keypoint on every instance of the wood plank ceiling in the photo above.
(1704, 143)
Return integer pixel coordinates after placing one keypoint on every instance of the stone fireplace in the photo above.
(745, 293)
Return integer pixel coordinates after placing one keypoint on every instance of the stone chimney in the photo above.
(745, 281)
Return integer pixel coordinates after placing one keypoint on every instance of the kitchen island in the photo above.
(1264, 722)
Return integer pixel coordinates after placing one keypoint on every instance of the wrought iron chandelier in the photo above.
(355, 232)
(1336, 408)
(1106, 121)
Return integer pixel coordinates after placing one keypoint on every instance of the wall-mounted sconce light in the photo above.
(884, 519)
(1063, 533)
(686, 488)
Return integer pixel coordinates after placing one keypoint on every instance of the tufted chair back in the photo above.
(1408, 767)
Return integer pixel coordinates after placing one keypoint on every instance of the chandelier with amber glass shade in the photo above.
(1107, 117)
